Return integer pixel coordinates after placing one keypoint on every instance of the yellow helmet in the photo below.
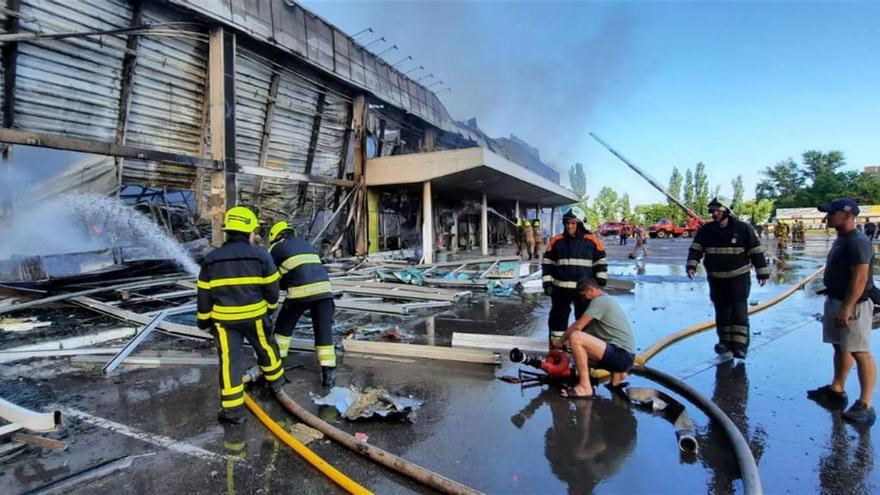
(240, 219)
(536, 223)
(277, 229)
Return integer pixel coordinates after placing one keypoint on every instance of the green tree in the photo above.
(755, 211)
(607, 205)
(701, 191)
(675, 181)
(738, 192)
(578, 179)
(689, 189)
(625, 209)
(651, 213)
(784, 180)
(817, 163)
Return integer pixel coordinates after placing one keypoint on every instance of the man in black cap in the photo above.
(846, 323)
(731, 248)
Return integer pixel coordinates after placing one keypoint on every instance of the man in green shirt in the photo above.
(601, 337)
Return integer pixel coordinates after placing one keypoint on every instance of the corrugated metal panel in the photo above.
(71, 86)
(168, 92)
(167, 102)
(3, 17)
(252, 82)
(292, 123)
(299, 31)
(328, 151)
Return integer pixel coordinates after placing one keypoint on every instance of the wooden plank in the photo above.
(58, 141)
(129, 60)
(397, 293)
(48, 443)
(421, 351)
(346, 282)
(295, 176)
(313, 145)
(153, 360)
(394, 309)
(499, 342)
(12, 356)
(123, 314)
(217, 98)
(9, 429)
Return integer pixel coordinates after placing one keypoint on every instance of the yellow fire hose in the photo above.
(341, 479)
(700, 327)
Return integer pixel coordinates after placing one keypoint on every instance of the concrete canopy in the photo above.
(468, 172)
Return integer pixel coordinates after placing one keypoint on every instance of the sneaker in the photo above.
(236, 417)
(825, 395)
(860, 413)
(721, 348)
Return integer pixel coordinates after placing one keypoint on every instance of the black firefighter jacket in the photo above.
(569, 259)
(238, 283)
(729, 252)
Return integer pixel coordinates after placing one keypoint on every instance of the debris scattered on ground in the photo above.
(361, 437)
(304, 434)
(508, 379)
(22, 324)
(353, 403)
(658, 308)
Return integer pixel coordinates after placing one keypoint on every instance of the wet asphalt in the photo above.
(494, 436)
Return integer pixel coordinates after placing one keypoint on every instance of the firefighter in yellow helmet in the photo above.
(237, 288)
(529, 235)
(308, 289)
(539, 238)
(519, 236)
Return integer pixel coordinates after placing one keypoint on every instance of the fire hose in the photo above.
(334, 474)
(376, 454)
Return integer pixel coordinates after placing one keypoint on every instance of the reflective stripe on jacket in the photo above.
(729, 252)
(302, 274)
(568, 259)
(238, 282)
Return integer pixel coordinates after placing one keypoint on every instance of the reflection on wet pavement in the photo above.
(489, 434)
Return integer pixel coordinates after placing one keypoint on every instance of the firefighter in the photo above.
(519, 236)
(731, 248)
(308, 289)
(539, 238)
(529, 235)
(781, 233)
(237, 287)
(571, 256)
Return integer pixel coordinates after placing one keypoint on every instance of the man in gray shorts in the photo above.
(846, 324)
(601, 337)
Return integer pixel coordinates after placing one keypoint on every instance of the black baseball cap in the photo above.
(844, 204)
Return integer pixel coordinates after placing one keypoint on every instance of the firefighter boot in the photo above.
(328, 376)
(235, 416)
(721, 348)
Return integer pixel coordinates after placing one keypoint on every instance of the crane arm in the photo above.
(648, 178)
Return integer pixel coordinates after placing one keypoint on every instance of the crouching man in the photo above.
(601, 338)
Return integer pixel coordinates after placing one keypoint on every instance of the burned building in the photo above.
(265, 104)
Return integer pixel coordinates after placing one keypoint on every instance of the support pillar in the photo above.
(516, 210)
(359, 119)
(221, 87)
(552, 222)
(454, 232)
(373, 220)
(484, 228)
(427, 224)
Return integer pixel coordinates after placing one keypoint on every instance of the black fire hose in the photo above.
(747, 466)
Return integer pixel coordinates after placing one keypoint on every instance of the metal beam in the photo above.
(267, 128)
(56, 141)
(10, 58)
(133, 343)
(296, 176)
(128, 64)
(217, 79)
(313, 144)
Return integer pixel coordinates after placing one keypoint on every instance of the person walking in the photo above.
(236, 289)
(308, 289)
(848, 313)
(729, 248)
(571, 256)
(539, 238)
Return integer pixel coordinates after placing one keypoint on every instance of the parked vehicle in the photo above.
(612, 228)
(665, 228)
